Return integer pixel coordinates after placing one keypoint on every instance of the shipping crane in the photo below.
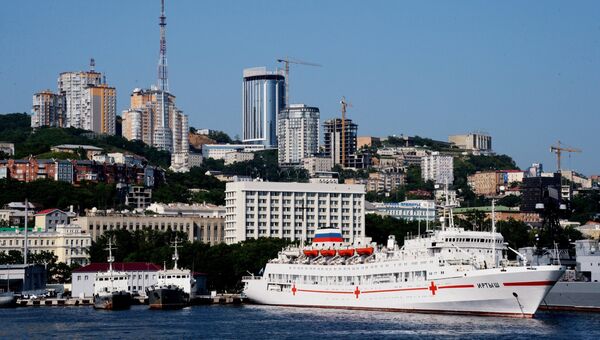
(345, 105)
(558, 150)
(287, 61)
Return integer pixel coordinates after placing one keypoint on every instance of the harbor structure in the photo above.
(293, 211)
(263, 96)
(298, 134)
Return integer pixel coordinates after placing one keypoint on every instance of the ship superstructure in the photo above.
(111, 290)
(173, 289)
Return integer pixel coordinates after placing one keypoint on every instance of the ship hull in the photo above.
(113, 301)
(167, 298)
(579, 296)
(516, 291)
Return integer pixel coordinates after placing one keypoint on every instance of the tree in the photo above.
(380, 227)
(220, 137)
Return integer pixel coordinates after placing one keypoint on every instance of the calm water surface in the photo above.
(259, 322)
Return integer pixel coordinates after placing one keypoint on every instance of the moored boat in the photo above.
(172, 291)
(111, 288)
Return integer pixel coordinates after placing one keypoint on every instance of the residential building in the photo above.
(206, 229)
(48, 109)
(537, 190)
(485, 183)
(263, 96)
(590, 230)
(410, 210)
(576, 179)
(335, 145)
(138, 197)
(133, 128)
(48, 219)
(238, 156)
(315, 164)
(477, 141)
(89, 150)
(292, 210)
(219, 151)
(7, 148)
(195, 159)
(298, 134)
(68, 242)
(74, 87)
(437, 168)
(100, 109)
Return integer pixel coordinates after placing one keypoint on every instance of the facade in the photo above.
(491, 183)
(23, 277)
(100, 109)
(536, 190)
(73, 86)
(479, 142)
(238, 156)
(263, 96)
(316, 164)
(297, 134)
(140, 275)
(68, 242)
(219, 151)
(138, 197)
(132, 124)
(206, 229)
(90, 150)
(48, 109)
(437, 168)
(49, 219)
(367, 141)
(292, 210)
(411, 210)
(325, 177)
(332, 135)
(195, 159)
(181, 209)
(502, 213)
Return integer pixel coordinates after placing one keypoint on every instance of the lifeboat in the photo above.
(346, 252)
(311, 252)
(364, 251)
(328, 252)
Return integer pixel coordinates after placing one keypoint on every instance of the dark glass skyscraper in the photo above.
(263, 96)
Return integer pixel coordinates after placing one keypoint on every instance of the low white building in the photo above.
(183, 209)
(140, 276)
(218, 151)
(292, 210)
(411, 210)
(238, 156)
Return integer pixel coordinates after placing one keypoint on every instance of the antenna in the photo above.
(176, 254)
(92, 65)
(163, 82)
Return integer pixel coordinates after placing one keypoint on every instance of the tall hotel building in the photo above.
(48, 109)
(292, 210)
(263, 96)
(297, 134)
(334, 147)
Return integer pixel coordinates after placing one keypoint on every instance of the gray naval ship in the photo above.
(172, 290)
(579, 288)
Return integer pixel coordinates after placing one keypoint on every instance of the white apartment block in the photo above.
(292, 210)
(297, 134)
(73, 85)
(437, 168)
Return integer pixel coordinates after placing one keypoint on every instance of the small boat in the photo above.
(311, 252)
(364, 251)
(172, 291)
(328, 252)
(8, 299)
(346, 252)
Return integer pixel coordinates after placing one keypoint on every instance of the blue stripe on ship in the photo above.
(329, 235)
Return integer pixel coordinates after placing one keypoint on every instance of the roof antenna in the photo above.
(92, 64)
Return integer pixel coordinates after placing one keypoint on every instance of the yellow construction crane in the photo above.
(558, 150)
(345, 105)
(287, 61)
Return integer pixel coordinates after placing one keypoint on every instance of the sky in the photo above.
(526, 72)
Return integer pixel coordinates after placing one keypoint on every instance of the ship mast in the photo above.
(26, 250)
(111, 259)
(176, 254)
(494, 232)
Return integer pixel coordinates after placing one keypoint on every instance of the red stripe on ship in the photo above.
(456, 286)
(392, 290)
(529, 283)
(383, 290)
(324, 291)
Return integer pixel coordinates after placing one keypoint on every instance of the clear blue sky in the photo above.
(527, 72)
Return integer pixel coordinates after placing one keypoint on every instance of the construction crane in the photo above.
(345, 105)
(287, 61)
(558, 150)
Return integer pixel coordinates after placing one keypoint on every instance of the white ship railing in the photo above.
(248, 278)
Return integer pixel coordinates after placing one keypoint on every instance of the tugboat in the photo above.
(110, 288)
(172, 291)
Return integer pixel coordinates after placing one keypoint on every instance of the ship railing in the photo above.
(254, 277)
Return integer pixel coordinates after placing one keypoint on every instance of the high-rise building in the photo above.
(332, 136)
(73, 86)
(48, 109)
(263, 96)
(132, 124)
(437, 168)
(292, 211)
(297, 134)
(100, 109)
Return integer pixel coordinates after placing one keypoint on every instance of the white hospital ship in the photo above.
(450, 270)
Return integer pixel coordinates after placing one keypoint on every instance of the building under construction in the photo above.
(341, 150)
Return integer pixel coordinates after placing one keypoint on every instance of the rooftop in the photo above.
(120, 266)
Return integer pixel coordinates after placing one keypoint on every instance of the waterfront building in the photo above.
(67, 241)
(410, 210)
(23, 277)
(332, 135)
(292, 210)
(48, 109)
(219, 151)
(140, 275)
(263, 96)
(477, 142)
(206, 229)
(437, 168)
(315, 164)
(297, 134)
